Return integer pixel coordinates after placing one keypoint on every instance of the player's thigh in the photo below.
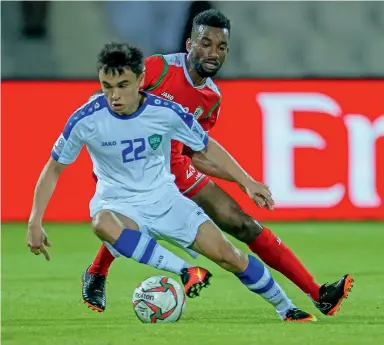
(212, 243)
(219, 205)
(188, 179)
(175, 219)
(227, 213)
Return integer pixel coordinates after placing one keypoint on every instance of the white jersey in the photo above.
(131, 153)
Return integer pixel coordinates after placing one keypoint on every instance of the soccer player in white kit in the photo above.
(127, 134)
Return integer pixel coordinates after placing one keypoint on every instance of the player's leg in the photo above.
(123, 235)
(211, 243)
(160, 257)
(186, 225)
(228, 215)
(103, 259)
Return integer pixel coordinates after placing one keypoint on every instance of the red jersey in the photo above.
(166, 76)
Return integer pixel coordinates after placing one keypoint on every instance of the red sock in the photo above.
(278, 256)
(102, 261)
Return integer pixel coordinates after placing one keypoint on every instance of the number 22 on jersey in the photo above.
(134, 150)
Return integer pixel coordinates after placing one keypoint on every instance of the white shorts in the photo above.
(174, 219)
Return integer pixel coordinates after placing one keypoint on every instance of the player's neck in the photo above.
(195, 77)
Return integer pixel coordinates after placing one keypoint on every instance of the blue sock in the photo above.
(257, 278)
(145, 250)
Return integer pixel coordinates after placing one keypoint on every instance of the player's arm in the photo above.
(64, 152)
(44, 189)
(203, 164)
(198, 159)
(216, 154)
(194, 136)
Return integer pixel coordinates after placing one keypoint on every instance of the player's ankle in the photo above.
(104, 272)
(315, 294)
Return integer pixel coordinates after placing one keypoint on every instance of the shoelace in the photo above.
(325, 293)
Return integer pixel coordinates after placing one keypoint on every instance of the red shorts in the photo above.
(188, 179)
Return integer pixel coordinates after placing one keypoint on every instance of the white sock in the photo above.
(258, 279)
(278, 298)
(165, 260)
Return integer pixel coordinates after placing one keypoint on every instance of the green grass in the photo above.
(41, 301)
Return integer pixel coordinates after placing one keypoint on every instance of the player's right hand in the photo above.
(37, 240)
(260, 194)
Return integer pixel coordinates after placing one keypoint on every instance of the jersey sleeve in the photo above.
(95, 95)
(187, 130)
(156, 68)
(70, 142)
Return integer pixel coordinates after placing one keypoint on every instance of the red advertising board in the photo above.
(319, 145)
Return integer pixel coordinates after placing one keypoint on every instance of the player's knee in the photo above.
(250, 229)
(246, 229)
(102, 222)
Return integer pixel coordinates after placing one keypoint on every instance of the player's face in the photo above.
(208, 49)
(121, 91)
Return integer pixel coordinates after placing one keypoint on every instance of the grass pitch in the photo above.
(42, 305)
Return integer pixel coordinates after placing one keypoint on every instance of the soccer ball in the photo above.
(158, 299)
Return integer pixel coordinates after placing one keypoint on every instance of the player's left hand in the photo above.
(259, 193)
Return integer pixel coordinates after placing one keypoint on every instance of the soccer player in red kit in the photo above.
(186, 79)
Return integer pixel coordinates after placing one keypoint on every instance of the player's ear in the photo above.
(188, 45)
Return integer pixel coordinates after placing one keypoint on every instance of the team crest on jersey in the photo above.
(198, 112)
(154, 141)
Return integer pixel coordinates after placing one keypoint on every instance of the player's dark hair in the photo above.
(212, 18)
(115, 57)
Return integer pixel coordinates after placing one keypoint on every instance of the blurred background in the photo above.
(306, 77)
(282, 39)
